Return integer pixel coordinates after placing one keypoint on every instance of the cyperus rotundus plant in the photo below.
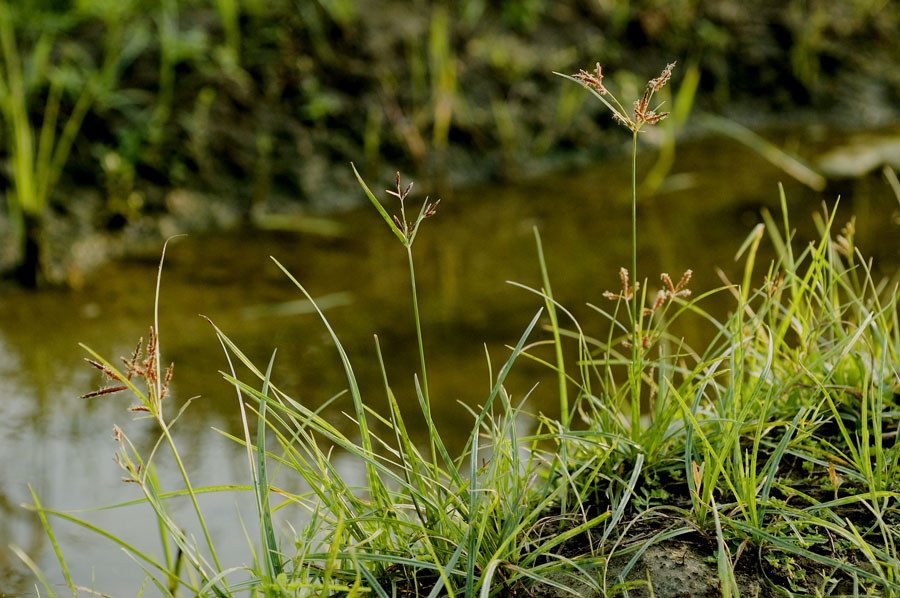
(641, 115)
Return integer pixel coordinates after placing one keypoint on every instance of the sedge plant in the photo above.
(641, 116)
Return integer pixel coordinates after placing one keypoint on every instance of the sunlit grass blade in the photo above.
(554, 325)
(42, 514)
(36, 571)
(271, 557)
(725, 569)
(387, 218)
(375, 485)
(109, 536)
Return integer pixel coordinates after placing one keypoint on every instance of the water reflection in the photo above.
(63, 446)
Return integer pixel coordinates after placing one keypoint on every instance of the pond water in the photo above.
(63, 446)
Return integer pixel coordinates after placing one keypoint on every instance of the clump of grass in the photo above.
(777, 441)
(642, 115)
(773, 448)
(803, 375)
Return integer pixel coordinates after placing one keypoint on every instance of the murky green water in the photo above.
(63, 445)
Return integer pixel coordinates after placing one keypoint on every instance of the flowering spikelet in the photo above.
(628, 291)
(773, 284)
(660, 299)
(677, 290)
(592, 80)
(665, 278)
(646, 340)
(685, 278)
(640, 107)
(109, 373)
(623, 276)
(659, 82)
(642, 112)
(407, 228)
(165, 386)
(145, 369)
(651, 117)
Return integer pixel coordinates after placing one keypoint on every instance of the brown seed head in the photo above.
(640, 108)
(399, 193)
(431, 209)
(665, 278)
(660, 298)
(651, 117)
(772, 286)
(659, 82)
(104, 391)
(106, 371)
(623, 276)
(151, 344)
(592, 79)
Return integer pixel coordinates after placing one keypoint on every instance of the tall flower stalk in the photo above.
(640, 116)
(406, 230)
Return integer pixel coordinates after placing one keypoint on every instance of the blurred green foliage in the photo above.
(261, 103)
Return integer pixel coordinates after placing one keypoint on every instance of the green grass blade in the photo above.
(380, 208)
(625, 499)
(108, 535)
(487, 578)
(554, 324)
(375, 484)
(271, 558)
(435, 436)
(727, 580)
(23, 556)
(46, 524)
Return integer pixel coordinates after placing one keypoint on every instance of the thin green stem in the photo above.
(190, 491)
(554, 324)
(156, 396)
(635, 377)
(415, 300)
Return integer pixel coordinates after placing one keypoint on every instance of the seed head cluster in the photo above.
(642, 114)
(145, 369)
(406, 227)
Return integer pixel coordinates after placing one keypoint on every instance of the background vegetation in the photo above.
(110, 106)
